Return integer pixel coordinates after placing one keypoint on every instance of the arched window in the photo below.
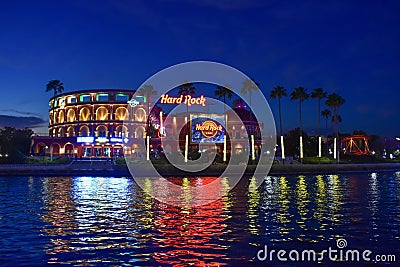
(71, 115)
(121, 113)
(84, 131)
(140, 115)
(101, 131)
(121, 131)
(71, 131)
(101, 114)
(84, 114)
(61, 116)
(139, 132)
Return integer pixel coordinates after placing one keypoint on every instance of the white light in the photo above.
(85, 139)
(253, 152)
(334, 148)
(102, 139)
(224, 157)
(301, 147)
(319, 146)
(148, 147)
(282, 147)
(186, 147)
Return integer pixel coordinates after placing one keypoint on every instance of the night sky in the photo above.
(347, 47)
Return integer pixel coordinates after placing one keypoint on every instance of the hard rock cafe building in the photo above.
(92, 123)
(100, 123)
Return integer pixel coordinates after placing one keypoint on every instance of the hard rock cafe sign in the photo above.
(209, 129)
(183, 99)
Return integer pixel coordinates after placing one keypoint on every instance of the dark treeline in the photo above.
(14, 144)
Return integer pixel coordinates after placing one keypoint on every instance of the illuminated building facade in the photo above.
(101, 123)
(92, 123)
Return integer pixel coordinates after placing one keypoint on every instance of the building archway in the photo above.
(71, 115)
(139, 132)
(61, 116)
(121, 131)
(70, 131)
(84, 114)
(40, 149)
(121, 113)
(101, 131)
(84, 131)
(56, 149)
(69, 149)
(140, 115)
(101, 114)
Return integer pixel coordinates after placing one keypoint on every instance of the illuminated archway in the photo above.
(61, 116)
(71, 115)
(140, 115)
(121, 131)
(101, 114)
(121, 113)
(71, 131)
(139, 132)
(84, 114)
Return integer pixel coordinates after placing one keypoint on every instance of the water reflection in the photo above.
(92, 216)
(111, 221)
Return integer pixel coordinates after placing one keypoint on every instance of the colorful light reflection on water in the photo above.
(95, 221)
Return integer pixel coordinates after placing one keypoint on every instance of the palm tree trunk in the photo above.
(319, 116)
(301, 124)
(280, 115)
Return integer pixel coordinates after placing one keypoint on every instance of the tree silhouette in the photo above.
(248, 86)
(319, 94)
(278, 92)
(56, 86)
(326, 113)
(300, 94)
(148, 92)
(223, 91)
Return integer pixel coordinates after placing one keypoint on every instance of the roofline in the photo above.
(97, 90)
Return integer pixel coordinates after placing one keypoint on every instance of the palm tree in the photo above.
(300, 94)
(148, 92)
(335, 101)
(186, 88)
(55, 85)
(247, 88)
(326, 113)
(278, 92)
(319, 94)
(223, 91)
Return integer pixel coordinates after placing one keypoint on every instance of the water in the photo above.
(92, 221)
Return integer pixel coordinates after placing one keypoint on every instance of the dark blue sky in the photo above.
(347, 47)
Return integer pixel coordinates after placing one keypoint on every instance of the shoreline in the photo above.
(108, 170)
